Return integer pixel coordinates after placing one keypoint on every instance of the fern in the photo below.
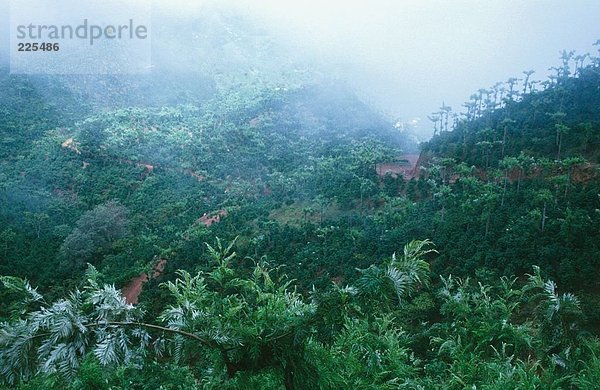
(401, 276)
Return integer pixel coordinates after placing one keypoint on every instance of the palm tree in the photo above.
(507, 123)
(527, 74)
(566, 57)
(444, 114)
(556, 313)
(512, 82)
(561, 131)
(497, 89)
(570, 163)
(558, 118)
(470, 106)
(400, 276)
(435, 118)
(508, 164)
(480, 100)
(543, 196)
(579, 61)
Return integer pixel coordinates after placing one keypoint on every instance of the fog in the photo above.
(404, 57)
(410, 56)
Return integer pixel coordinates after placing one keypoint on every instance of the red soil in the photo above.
(159, 268)
(147, 167)
(132, 290)
(584, 173)
(406, 165)
(208, 219)
(71, 145)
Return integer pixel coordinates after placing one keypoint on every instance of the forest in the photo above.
(258, 232)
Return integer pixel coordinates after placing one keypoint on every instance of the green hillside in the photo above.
(244, 234)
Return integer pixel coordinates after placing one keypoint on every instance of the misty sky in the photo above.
(409, 56)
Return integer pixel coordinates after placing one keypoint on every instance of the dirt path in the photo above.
(133, 289)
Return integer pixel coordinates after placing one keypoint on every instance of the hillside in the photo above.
(168, 166)
(266, 228)
(534, 199)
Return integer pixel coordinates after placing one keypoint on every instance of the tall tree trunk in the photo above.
(504, 187)
(504, 140)
(559, 146)
(544, 217)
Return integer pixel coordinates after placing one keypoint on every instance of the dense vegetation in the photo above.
(318, 272)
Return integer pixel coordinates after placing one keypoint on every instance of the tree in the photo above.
(7, 236)
(570, 163)
(398, 278)
(579, 61)
(435, 118)
(566, 57)
(507, 124)
(561, 131)
(512, 82)
(237, 324)
(543, 196)
(95, 232)
(526, 84)
(37, 222)
(557, 314)
(444, 116)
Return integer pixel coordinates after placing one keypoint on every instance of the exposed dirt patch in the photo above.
(133, 289)
(159, 268)
(585, 173)
(406, 165)
(214, 217)
(71, 145)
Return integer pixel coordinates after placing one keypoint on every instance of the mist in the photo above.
(405, 58)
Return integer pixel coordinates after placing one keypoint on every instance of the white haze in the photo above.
(407, 57)
(410, 56)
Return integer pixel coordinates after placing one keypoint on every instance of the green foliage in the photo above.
(400, 277)
(366, 354)
(290, 169)
(21, 295)
(95, 233)
(229, 330)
